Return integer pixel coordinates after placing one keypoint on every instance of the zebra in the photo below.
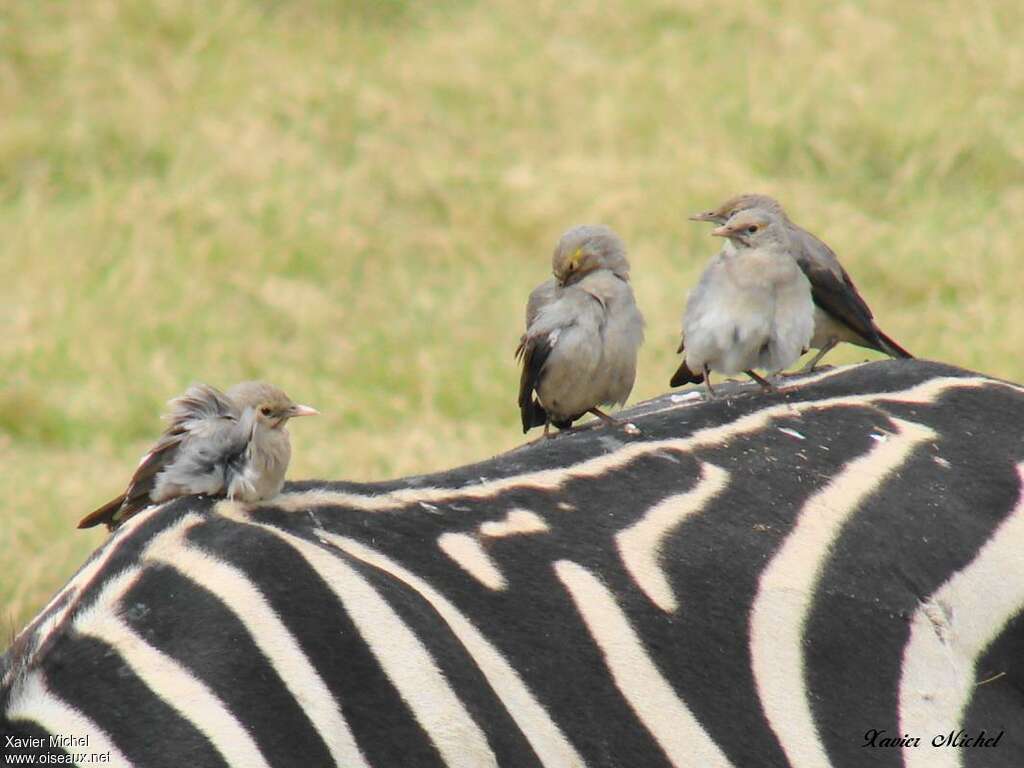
(818, 577)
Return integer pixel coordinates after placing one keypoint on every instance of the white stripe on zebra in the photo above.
(547, 740)
(404, 659)
(34, 701)
(650, 696)
(469, 555)
(517, 522)
(173, 683)
(951, 630)
(554, 479)
(640, 544)
(787, 586)
(44, 624)
(239, 596)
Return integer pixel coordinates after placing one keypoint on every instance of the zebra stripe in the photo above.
(62, 604)
(640, 544)
(754, 582)
(466, 552)
(518, 522)
(779, 616)
(280, 647)
(36, 703)
(168, 679)
(403, 657)
(657, 706)
(544, 736)
(958, 621)
(554, 479)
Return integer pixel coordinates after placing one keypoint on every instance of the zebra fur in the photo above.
(757, 581)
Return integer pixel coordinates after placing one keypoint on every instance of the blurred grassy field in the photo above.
(353, 199)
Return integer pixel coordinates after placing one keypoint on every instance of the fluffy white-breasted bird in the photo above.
(840, 312)
(751, 308)
(233, 444)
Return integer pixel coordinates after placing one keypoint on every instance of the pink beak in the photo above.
(303, 410)
(722, 231)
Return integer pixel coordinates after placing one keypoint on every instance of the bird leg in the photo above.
(611, 421)
(707, 383)
(765, 384)
(809, 368)
(627, 427)
(547, 428)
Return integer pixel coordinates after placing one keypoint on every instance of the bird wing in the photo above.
(540, 297)
(832, 288)
(201, 410)
(212, 455)
(548, 325)
(195, 411)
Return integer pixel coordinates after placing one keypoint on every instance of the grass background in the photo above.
(352, 200)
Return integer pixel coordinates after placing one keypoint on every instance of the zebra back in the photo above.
(763, 580)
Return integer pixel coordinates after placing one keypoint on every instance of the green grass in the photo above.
(353, 199)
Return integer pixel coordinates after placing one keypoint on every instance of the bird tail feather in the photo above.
(104, 514)
(685, 376)
(891, 348)
(533, 414)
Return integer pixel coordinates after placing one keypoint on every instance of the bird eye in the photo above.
(752, 229)
(265, 410)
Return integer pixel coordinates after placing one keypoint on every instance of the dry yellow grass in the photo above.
(352, 200)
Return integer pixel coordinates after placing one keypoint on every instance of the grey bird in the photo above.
(840, 313)
(233, 444)
(751, 308)
(583, 330)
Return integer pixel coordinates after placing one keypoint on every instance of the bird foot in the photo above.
(812, 367)
(610, 421)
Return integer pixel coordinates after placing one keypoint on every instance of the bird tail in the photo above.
(104, 514)
(685, 376)
(891, 348)
(533, 414)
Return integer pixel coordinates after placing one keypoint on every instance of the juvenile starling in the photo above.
(840, 313)
(234, 444)
(583, 332)
(751, 308)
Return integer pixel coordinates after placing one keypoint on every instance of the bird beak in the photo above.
(302, 410)
(722, 231)
(706, 216)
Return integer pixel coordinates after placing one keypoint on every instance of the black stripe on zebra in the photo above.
(902, 545)
(384, 727)
(753, 581)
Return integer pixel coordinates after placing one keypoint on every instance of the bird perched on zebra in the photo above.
(583, 330)
(234, 444)
(751, 308)
(840, 313)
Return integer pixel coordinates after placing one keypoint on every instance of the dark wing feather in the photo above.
(136, 496)
(104, 514)
(830, 282)
(534, 352)
(684, 375)
(890, 347)
(834, 292)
